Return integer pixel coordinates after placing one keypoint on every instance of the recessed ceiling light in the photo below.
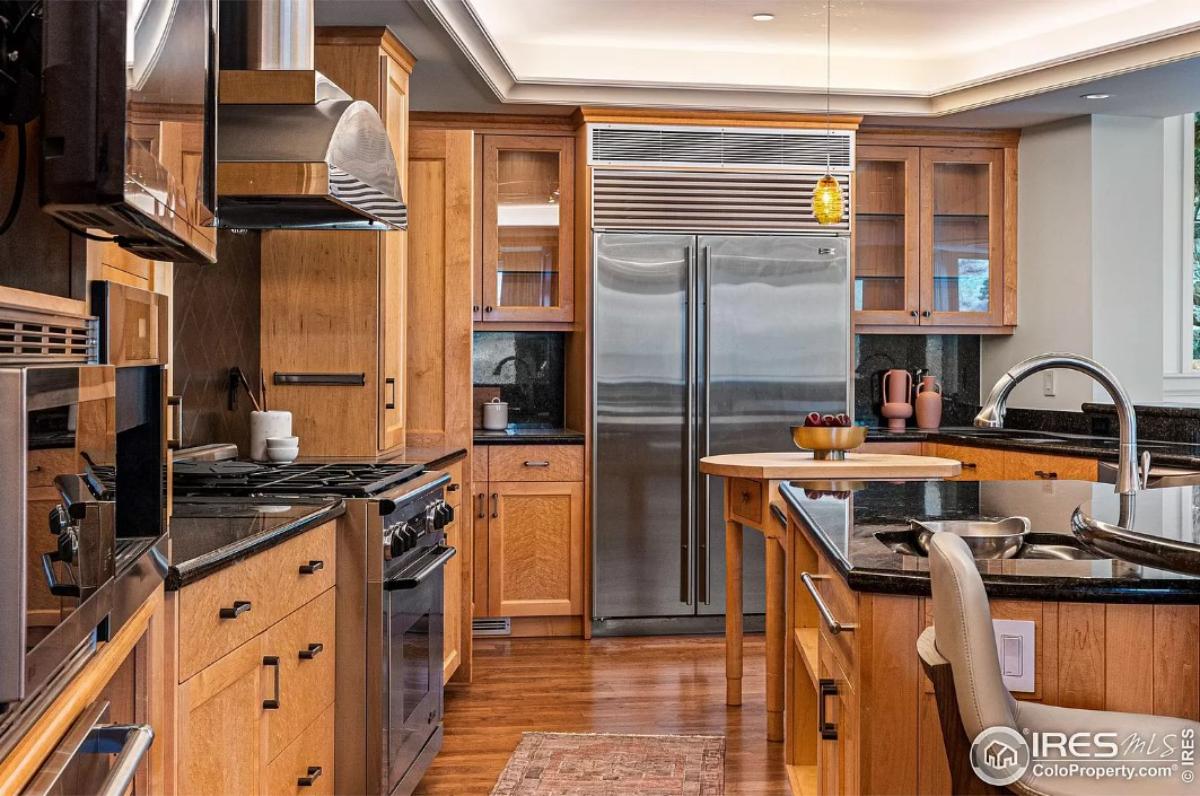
(763, 16)
(1095, 96)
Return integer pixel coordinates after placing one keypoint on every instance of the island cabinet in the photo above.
(934, 231)
(333, 302)
(862, 716)
(528, 524)
(983, 463)
(255, 665)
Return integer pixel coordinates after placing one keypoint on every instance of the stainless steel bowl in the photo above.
(986, 538)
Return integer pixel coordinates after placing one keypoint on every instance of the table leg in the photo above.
(776, 638)
(733, 613)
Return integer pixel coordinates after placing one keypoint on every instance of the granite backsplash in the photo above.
(524, 369)
(216, 326)
(951, 359)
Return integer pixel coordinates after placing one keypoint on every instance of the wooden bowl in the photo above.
(829, 443)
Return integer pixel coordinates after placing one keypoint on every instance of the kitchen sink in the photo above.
(1036, 546)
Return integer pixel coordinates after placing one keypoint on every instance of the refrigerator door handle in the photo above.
(689, 514)
(703, 563)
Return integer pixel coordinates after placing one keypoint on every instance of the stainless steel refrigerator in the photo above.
(701, 344)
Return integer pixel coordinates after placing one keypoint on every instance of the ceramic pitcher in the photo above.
(929, 403)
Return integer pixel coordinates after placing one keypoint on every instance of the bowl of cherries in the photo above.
(828, 436)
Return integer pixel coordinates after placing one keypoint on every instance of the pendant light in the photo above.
(827, 195)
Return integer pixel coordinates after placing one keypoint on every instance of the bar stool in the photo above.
(959, 656)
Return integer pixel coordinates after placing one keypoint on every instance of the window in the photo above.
(1195, 241)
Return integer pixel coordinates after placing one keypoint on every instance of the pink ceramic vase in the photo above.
(929, 403)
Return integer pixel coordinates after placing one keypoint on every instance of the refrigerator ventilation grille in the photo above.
(691, 146)
(702, 201)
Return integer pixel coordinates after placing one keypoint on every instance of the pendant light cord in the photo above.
(828, 82)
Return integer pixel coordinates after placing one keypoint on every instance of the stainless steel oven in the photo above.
(78, 561)
(96, 757)
(413, 656)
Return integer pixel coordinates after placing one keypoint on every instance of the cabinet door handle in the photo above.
(487, 309)
(495, 505)
(453, 487)
(474, 308)
(827, 617)
(175, 436)
(312, 567)
(310, 777)
(239, 607)
(914, 313)
(825, 688)
(312, 651)
(272, 661)
(390, 382)
(1046, 475)
(926, 313)
(537, 464)
(479, 513)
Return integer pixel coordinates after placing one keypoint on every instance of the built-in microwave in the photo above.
(129, 123)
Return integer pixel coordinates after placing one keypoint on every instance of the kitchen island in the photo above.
(1106, 634)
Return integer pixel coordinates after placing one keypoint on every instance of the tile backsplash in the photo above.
(525, 369)
(216, 326)
(952, 359)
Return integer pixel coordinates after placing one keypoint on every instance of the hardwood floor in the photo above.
(660, 685)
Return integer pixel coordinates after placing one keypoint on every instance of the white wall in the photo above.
(1054, 254)
(1090, 258)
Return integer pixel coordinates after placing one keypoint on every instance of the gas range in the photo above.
(249, 479)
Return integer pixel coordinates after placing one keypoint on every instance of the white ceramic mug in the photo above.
(495, 415)
(274, 423)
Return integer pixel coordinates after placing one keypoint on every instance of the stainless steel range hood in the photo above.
(297, 152)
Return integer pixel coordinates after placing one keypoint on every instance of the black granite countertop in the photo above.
(529, 436)
(209, 534)
(846, 528)
(1167, 453)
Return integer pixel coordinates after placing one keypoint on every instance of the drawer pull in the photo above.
(454, 487)
(970, 466)
(1046, 475)
(310, 777)
(313, 651)
(312, 567)
(542, 463)
(834, 625)
(745, 497)
(825, 688)
(239, 607)
(272, 661)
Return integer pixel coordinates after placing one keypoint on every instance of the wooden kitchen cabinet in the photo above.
(535, 549)
(981, 463)
(250, 718)
(837, 749)
(528, 524)
(334, 302)
(528, 216)
(934, 232)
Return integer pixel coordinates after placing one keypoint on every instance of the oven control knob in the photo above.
(446, 512)
(68, 546)
(59, 520)
(403, 539)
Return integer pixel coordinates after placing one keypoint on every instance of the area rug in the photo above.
(580, 764)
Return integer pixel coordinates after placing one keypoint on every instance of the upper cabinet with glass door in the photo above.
(528, 217)
(930, 232)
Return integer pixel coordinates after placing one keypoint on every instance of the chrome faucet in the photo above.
(992, 414)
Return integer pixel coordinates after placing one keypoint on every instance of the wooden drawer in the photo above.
(535, 463)
(843, 604)
(978, 464)
(304, 644)
(273, 584)
(745, 499)
(1033, 466)
(312, 749)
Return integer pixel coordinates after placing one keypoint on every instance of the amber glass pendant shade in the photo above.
(827, 201)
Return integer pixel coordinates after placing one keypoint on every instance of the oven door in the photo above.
(412, 660)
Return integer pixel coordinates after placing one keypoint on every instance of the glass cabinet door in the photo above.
(962, 195)
(886, 235)
(528, 216)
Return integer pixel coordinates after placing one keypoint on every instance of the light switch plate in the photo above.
(1015, 648)
(1049, 384)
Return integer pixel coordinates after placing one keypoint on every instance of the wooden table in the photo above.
(751, 482)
